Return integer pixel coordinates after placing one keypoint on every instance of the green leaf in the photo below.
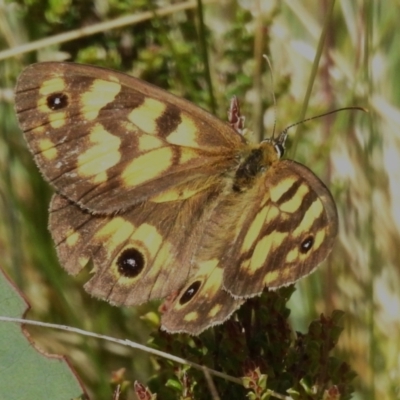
(26, 372)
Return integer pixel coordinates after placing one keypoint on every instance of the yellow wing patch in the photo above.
(255, 229)
(161, 256)
(293, 205)
(72, 238)
(264, 247)
(215, 310)
(116, 231)
(319, 238)
(292, 255)
(210, 269)
(147, 166)
(145, 116)
(281, 188)
(148, 142)
(57, 119)
(175, 194)
(192, 316)
(52, 85)
(185, 133)
(99, 95)
(271, 277)
(312, 213)
(102, 155)
(47, 149)
(149, 234)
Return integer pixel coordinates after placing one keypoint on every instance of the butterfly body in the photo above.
(164, 199)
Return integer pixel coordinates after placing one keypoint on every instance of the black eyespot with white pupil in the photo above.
(57, 101)
(190, 292)
(130, 263)
(307, 244)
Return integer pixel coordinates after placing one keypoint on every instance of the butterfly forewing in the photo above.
(107, 140)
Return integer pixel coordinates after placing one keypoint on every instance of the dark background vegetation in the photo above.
(356, 154)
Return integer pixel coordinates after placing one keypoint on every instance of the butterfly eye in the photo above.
(190, 292)
(279, 149)
(56, 101)
(130, 263)
(306, 245)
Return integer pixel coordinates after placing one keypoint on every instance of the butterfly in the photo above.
(165, 201)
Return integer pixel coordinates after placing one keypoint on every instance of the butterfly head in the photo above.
(278, 143)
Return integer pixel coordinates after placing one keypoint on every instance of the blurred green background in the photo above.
(356, 154)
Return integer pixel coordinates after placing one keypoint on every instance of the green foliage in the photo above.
(260, 347)
(23, 366)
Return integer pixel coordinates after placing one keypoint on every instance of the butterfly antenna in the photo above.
(273, 91)
(283, 135)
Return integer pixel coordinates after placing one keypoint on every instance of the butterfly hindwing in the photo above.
(201, 303)
(290, 229)
(270, 235)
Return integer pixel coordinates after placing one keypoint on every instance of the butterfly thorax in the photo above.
(254, 160)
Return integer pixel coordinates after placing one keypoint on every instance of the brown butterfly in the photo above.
(164, 200)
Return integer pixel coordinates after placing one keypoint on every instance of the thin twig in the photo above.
(97, 28)
(129, 343)
(123, 342)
